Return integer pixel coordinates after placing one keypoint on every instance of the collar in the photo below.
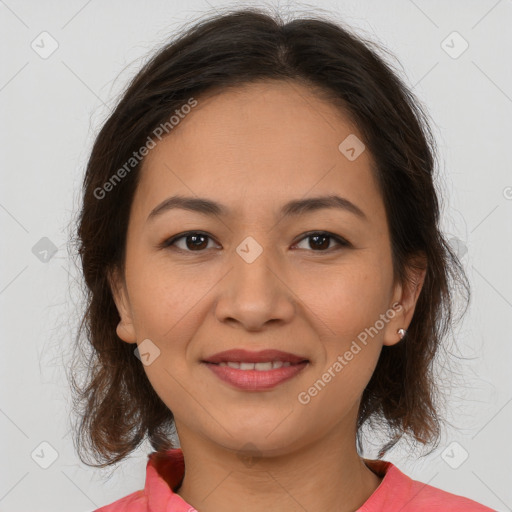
(165, 472)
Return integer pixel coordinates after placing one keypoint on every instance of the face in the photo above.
(308, 281)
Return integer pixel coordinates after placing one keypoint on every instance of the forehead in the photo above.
(267, 141)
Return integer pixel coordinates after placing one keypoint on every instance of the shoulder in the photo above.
(398, 491)
(425, 497)
(134, 502)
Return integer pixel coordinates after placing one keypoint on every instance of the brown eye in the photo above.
(320, 241)
(194, 241)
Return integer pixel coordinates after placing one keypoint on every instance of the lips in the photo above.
(246, 356)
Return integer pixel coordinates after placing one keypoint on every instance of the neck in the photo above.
(318, 476)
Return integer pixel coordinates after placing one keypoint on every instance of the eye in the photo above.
(197, 241)
(320, 240)
(194, 241)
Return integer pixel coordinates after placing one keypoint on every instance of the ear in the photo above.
(125, 329)
(405, 298)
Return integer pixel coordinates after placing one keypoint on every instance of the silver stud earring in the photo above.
(402, 333)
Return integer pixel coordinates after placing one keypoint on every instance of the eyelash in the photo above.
(168, 243)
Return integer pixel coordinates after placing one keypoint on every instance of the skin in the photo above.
(253, 149)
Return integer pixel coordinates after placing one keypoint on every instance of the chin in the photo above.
(258, 443)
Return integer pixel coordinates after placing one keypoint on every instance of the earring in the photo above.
(402, 333)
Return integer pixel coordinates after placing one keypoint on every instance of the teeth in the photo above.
(269, 365)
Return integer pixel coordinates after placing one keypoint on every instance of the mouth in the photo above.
(261, 371)
(255, 371)
(264, 366)
(249, 360)
(261, 376)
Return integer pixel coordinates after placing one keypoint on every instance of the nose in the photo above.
(255, 293)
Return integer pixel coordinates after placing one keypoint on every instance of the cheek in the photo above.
(164, 299)
(350, 307)
(351, 299)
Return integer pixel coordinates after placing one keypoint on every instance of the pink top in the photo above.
(396, 492)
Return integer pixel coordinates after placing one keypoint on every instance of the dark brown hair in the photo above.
(116, 405)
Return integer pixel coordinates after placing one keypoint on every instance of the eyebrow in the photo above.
(291, 209)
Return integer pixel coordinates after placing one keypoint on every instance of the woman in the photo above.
(260, 240)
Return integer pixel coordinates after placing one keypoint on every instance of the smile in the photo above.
(256, 376)
(265, 366)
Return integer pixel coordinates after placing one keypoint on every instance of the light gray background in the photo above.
(51, 109)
